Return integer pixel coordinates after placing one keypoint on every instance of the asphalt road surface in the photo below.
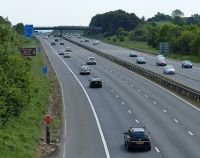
(125, 100)
(190, 77)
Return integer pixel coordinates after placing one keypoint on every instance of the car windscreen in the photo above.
(139, 135)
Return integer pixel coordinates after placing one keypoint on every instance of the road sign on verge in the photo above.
(44, 70)
(28, 51)
(28, 31)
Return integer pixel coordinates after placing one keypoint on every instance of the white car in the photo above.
(158, 57)
(68, 49)
(66, 55)
(61, 52)
(96, 42)
(169, 69)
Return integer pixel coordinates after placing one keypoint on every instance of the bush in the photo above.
(114, 40)
(14, 74)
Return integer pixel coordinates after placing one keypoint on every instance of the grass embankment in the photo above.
(131, 44)
(19, 137)
(145, 47)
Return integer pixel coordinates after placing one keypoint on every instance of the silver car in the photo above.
(85, 70)
(169, 69)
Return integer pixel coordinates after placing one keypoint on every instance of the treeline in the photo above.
(14, 71)
(111, 21)
(182, 33)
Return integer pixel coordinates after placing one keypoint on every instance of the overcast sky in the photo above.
(80, 12)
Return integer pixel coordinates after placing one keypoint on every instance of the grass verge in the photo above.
(19, 137)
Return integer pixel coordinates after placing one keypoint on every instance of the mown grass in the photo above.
(19, 137)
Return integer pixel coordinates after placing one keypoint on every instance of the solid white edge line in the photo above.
(64, 107)
(91, 105)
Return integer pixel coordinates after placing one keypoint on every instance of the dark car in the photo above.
(95, 83)
(86, 40)
(137, 138)
(132, 54)
(186, 64)
(85, 70)
(61, 43)
(56, 40)
(91, 61)
(161, 62)
(140, 60)
(53, 43)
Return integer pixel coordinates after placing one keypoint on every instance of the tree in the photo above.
(19, 28)
(177, 13)
(159, 17)
(113, 20)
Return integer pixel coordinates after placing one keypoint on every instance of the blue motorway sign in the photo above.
(28, 31)
(44, 70)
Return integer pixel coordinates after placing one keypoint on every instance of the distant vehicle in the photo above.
(79, 37)
(91, 61)
(96, 42)
(61, 43)
(61, 52)
(169, 69)
(69, 36)
(186, 64)
(160, 56)
(53, 43)
(56, 40)
(86, 40)
(66, 55)
(137, 138)
(161, 62)
(132, 54)
(68, 49)
(85, 70)
(95, 83)
(81, 40)
(140, 60)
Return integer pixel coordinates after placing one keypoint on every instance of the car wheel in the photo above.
(149, 148)
(127, 146)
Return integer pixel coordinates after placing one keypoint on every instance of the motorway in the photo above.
(125, 100)
(190, 77)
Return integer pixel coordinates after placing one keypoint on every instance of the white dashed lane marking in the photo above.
(190, 133)
(175, 120)
(112, 90)
(157, 149)
(123, 103)
(136, 121)
(132, 85)
(154, 102)
(146, 96)
(164, 110)
(129, 112)
(138, 90)
(117, 96)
